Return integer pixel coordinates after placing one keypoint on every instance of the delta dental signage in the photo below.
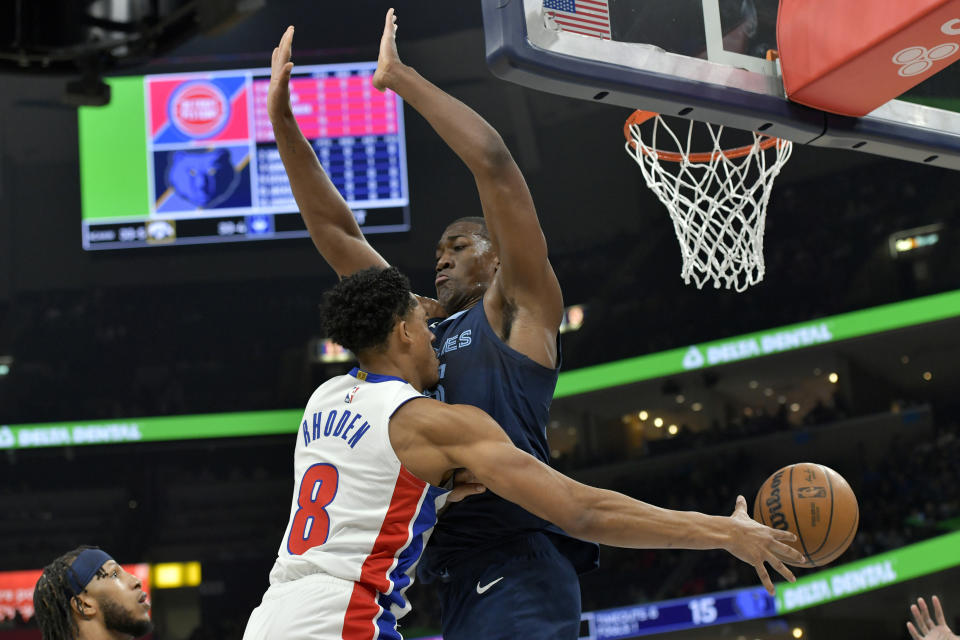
(690, 358)
(871, 573)
(758, 345)
(763, 343)
(216, 425)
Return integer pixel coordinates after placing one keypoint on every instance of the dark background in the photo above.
(179, 330)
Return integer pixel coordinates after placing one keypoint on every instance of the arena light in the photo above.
(573, 317)
(910, 240)
(6, 365)
(326, 350)
(797, 633)
(176, 575)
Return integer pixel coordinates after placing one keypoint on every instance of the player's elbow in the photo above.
(493, 155)
(580, 519)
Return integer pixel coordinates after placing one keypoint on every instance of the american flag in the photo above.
(588, 17)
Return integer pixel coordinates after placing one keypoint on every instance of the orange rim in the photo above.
(639, 116)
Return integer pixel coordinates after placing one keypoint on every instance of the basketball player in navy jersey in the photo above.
(371, 455)
(499, 308)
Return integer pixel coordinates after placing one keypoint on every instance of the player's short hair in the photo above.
(52, 597)
(363, 308)
(477, 220)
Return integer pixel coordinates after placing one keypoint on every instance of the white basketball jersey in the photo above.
(357, 513)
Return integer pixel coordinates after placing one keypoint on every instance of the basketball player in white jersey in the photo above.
(372, 453)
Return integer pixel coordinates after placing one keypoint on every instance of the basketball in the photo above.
(814, 502)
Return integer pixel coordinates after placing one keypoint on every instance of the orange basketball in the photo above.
(815, 503)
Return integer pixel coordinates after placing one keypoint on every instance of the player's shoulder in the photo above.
(439, 421)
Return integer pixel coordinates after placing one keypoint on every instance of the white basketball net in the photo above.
(717, 200)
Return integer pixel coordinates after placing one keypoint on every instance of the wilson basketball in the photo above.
(814, 502)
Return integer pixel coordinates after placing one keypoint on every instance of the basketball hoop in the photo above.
(717, 199)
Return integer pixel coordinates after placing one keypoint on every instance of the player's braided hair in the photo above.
(52, 597)
(363, 308)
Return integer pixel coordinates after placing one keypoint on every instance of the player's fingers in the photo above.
(782, 569)
(287, 70)
(741, 504)
(938, 611)
(764, 578)
(918, 618)
(912, 630)
(785, 536)
(461, 491)
(786, 552)
(925, 612)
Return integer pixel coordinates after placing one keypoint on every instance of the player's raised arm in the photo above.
(526, 278)
(431, 437)
(331, 224)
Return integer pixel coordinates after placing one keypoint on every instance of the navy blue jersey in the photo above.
(478, 369)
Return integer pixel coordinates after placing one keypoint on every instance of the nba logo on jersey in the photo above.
(352, 394)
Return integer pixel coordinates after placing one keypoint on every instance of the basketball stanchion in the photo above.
(717, 199)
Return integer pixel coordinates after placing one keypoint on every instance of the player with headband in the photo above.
(85, 595)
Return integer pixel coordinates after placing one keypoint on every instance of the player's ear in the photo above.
(402, 330)
(83, 606)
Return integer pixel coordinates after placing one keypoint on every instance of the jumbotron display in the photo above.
(190, 158)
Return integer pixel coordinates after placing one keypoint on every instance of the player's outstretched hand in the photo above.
(278, 96)
(388, 59)
(757, 544)
(465, 484)
(926, 628)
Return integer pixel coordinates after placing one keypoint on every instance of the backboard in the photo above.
(702, 60)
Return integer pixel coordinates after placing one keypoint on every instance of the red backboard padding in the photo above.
(851, 56)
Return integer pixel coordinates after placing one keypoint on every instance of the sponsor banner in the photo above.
(16, 589)
(871, 573)
(217, 425)
(762, 343)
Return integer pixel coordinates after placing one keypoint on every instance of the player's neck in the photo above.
(98, 632)
(384, 365)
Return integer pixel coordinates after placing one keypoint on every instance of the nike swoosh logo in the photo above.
(482, 590)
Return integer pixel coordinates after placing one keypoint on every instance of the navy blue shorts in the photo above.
(525, 590)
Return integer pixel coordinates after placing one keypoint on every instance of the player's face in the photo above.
(428, 367)
(465, 266)
(122, 600)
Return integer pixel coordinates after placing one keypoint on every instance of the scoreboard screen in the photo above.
(190, 158)
(674, 615)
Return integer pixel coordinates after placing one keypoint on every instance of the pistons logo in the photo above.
(199, 109)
